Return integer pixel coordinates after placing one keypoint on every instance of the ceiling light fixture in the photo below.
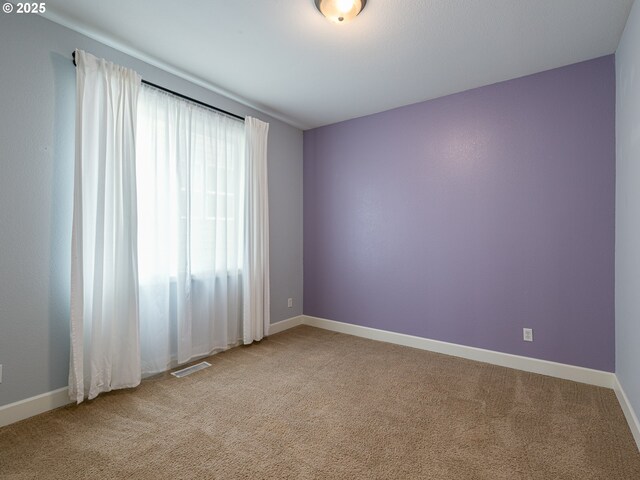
(340, 11)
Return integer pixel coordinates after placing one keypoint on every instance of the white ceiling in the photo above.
(284, 58)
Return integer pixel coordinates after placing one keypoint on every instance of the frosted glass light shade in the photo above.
(340, 11)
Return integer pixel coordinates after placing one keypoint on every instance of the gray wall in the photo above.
(37, 101)
(628, 209)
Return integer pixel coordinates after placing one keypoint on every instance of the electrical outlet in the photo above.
(290, 303)
(527, 334)
(0, 373)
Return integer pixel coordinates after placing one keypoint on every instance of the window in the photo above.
(190, 181)
(162, 185)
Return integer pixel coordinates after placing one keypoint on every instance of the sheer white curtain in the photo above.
(191, 203)
(256, 281)
(105, 352)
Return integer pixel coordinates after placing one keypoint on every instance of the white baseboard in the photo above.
(14, 412)
(283, 325)
(29, 407)
(527, 364)
(630, 415)
(553, 369)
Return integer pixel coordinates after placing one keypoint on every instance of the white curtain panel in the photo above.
(105, 352)
(256, 280)
(191, 201)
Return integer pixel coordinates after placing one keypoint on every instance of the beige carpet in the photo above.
(309, 403)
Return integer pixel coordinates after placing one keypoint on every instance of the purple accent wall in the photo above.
(469, 217)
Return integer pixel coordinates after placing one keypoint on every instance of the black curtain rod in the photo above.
(206, 105)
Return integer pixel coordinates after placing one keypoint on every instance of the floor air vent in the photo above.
(189, 370)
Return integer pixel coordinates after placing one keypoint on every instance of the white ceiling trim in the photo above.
(137, 54)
